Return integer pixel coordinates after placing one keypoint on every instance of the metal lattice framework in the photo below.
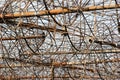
(59, 39)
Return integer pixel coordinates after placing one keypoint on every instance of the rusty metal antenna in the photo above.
(59, 39)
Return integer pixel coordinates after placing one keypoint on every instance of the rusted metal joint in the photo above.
(104, 43)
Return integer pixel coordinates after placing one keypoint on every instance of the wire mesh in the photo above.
(59, 39)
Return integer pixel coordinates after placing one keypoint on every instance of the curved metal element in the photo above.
(59, 39)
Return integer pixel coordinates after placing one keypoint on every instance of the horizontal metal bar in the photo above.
(105, 43)
(60, 64)
(31, 25)
(22, 37)
(28, 65)
(65, 76)
(57, 11)
(108, 51)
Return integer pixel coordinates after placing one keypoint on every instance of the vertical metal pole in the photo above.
(52, 71)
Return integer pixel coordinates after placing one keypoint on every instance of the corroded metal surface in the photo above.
(59, 39)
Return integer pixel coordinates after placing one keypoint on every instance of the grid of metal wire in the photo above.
(59, 39)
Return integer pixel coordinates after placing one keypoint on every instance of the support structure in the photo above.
(59, 39)
(57, 11)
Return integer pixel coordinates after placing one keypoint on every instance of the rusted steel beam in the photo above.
(51, 29)
(34, 26)
(80, 68)
(105, 43)
(49, 77)
(31, 25)
(84, 52)
(69, 67)
(57, 11)
(61, 64)
(22, 37)
(86, 62)
(76, 52)
(14, 65)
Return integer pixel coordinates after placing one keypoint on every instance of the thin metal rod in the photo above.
(22, 37)
(28, 65)
(105, 43)
(48, 77)
(58, 64)
(56, 11)
(31, 25)
(108, 51)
